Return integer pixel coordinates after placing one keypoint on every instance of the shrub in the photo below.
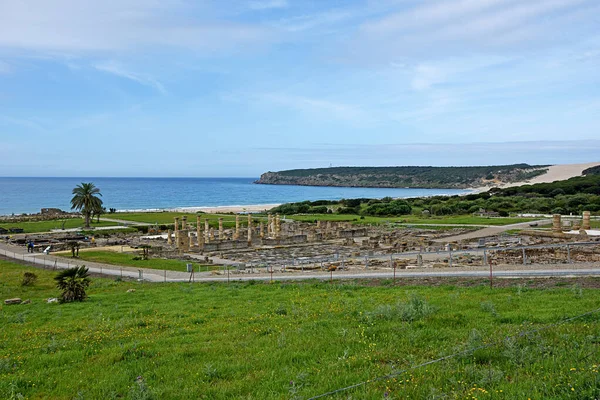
(73, 282)
(29, 279)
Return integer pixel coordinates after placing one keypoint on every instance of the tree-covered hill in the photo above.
(407, 176)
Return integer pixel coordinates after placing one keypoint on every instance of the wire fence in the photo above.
(332, 264)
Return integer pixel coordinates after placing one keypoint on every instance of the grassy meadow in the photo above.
(46, 226)
(296, 340)
(128, 259)
(168, 218)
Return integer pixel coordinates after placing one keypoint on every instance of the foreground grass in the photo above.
(47, 226)
(412, 219)
(261, 341)
(127, 259)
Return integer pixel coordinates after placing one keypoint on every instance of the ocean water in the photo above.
(29, 195)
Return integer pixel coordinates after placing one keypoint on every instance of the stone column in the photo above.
(585, 224)
(176, 228)
(221, 236)
(212, 234)
(556, 223)
(262, 230)
(277, 225)
(199, 231)
(319, 224)
(189, 241)
(184, 222)
(236, 235)
(269, 222)
(249, 230)
(169, 238)
(206, 231)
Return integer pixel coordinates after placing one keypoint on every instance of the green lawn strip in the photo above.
(294, 340)
(47, 226)
(168, 218)
(127, 259)
(411, 219)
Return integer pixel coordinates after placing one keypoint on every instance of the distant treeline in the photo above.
(562, 197)
(416, 177)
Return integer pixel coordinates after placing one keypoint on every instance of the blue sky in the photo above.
(236, 88)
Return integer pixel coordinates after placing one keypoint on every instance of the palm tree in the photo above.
(73, 282)
(98, 212)
(85, 199)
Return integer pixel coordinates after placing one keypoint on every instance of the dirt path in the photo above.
(490, 231)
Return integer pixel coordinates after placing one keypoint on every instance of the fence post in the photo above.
(165, 275)
(450, 254)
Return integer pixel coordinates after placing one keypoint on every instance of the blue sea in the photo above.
(29, 195)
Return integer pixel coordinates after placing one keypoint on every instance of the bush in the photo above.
(29, 279)
(73, 282)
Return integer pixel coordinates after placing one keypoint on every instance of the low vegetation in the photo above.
(562, 197)
(296, 340)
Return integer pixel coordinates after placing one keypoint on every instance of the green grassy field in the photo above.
(46, 226)
(126, 259)
(411, 219)
(295, 340)
(169, 218)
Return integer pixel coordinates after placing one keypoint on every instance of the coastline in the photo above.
(236, 209)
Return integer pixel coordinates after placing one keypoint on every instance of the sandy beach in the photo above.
(255, 208)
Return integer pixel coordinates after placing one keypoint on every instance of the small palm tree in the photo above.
(73, 282)
(85, 199)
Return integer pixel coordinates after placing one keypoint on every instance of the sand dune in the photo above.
(555, 173)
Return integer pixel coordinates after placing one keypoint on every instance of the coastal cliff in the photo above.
(414, 177)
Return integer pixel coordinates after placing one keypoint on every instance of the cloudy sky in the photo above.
(239, 87)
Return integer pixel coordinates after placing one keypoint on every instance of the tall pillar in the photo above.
(176, 228)
(221, 236)
(585, 224)
(184, 222)
(236, 235)
(189, 241)
(169, 238)
(199, 231)
(277, 225)
(206, 231)
(269, 222)
(556, 223)
(212, 234)
(249, 229)
(262, 230)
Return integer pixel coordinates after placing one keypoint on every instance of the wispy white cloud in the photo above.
(267, 4)
(327, 19)
(117, 69)
(116, 25)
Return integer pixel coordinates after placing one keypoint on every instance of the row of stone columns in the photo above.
(209, 234)
(557, 223)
